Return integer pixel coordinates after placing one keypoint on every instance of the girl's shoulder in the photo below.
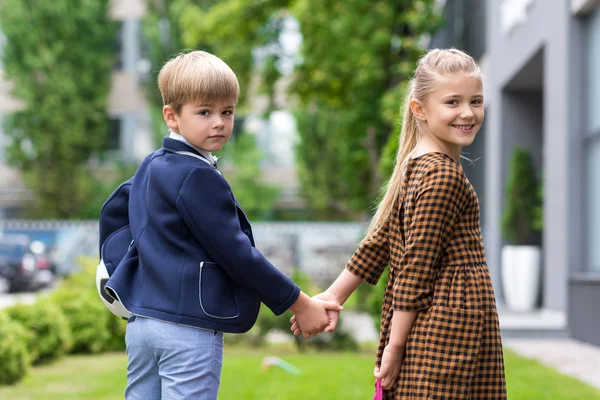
(438, 171)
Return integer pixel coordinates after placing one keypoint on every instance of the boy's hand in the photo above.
(311, 314)
(391, 361)
(333, 315)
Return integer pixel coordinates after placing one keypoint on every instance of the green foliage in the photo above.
(522, 213)
(256, 197)
(87, 318)
(233, 30)
(338, 340)
(14, 357)
(162, 40)
(103, 183)
(356, 56)
(392, 114)
(59, 55)
(110, 335)
(49, 333)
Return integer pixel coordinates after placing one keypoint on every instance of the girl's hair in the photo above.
(433, 65)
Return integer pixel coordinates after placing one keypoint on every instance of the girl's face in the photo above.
(453, 112)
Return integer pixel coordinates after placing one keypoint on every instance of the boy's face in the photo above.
(207, 126)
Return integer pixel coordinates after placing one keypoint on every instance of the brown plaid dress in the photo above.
(432, 242)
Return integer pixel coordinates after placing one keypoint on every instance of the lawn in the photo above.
(324, 375)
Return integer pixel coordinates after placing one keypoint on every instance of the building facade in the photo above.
(541, 61)
(543, 93)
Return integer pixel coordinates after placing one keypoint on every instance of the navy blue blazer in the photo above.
(193, 260)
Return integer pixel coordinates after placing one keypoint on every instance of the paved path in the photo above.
(577, 359)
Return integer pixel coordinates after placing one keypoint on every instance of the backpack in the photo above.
(116, 245)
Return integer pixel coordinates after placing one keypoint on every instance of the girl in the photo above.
(440, 337)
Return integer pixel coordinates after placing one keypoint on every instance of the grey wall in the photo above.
(508, 54)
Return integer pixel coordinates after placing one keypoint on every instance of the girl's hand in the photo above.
(391, 361)
(311, 314)
(333, 315)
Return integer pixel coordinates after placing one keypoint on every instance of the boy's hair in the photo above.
(195, 76)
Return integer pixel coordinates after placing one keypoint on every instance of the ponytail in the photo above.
(409, 136)
(436, 63)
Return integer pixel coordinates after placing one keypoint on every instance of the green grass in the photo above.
(324, 375)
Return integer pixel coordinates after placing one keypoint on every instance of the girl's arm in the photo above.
(338, 293)
(344, 286)
(393, 354)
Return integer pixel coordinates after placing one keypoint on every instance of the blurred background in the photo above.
(315, 135)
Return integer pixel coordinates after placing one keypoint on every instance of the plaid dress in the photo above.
(432, 243)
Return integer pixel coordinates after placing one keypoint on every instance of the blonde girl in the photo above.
(440, 337)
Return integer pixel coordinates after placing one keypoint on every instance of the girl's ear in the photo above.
(170, 117)
(417, 109)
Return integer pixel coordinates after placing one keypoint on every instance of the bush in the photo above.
(87, 317)
(116, 333)
(522, 213)
(89, 312)
(338, 340)
(49, 333)
(14, 357)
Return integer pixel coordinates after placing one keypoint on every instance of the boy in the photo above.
(191, 271)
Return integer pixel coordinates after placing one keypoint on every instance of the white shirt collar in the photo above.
(205, 153)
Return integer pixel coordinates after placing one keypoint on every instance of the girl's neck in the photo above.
(427, 145)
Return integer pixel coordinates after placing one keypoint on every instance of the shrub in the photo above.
(522, 213)
(87, 317)
(49, 333)
(116, 333)
(78, 298)
(14, 357)
(338, 340)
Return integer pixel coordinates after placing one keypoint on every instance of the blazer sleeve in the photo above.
(207, 207)
(439, 200)
(371, 257)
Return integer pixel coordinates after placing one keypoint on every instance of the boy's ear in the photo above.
(170, 117)
(417, 109)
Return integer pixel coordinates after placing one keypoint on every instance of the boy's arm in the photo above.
(208, 209)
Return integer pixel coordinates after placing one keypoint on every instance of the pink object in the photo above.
(378, 391)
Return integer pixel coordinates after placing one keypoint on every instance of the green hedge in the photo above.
(49, 333)
(14, 357)
(87, 317)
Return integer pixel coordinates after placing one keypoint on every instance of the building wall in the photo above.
(518, 53)
(545, 95)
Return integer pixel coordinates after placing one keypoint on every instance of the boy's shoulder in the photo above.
(177, 164)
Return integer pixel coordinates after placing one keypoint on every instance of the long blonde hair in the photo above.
(435, 63)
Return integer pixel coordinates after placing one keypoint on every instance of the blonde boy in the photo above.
(192, 271)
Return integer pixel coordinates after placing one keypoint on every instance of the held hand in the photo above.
(311, 314)
(333, 315)
(391, 361)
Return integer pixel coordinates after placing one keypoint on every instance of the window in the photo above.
(118, 48)
(113, 136)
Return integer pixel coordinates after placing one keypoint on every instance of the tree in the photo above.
(59, 55)
(256, 197)
(163, 38)
(356, 57)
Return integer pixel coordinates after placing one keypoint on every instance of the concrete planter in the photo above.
(521, 268)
